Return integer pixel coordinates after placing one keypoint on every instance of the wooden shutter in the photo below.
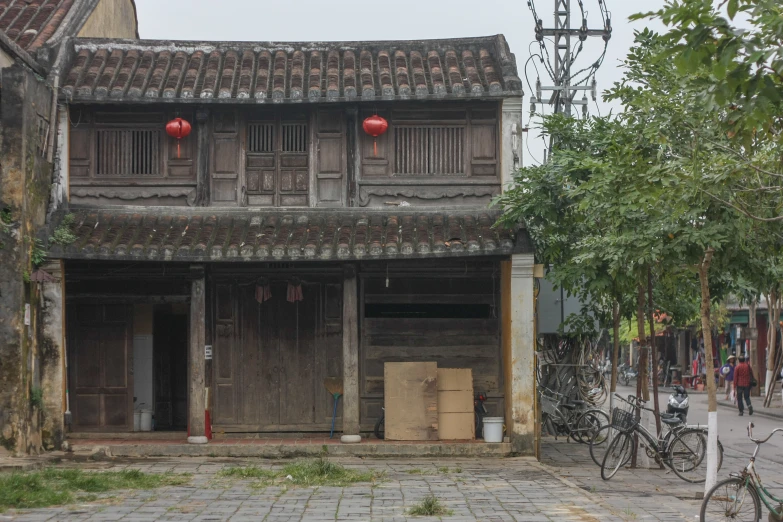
(225, 159)
(330, 153)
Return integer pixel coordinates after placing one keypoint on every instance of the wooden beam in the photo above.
(197, 339)
(202, 157)
(350, 356)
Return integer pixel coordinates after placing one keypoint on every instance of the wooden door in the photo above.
(100, 352)
(281, 355)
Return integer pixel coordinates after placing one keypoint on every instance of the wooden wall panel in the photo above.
(458, 342)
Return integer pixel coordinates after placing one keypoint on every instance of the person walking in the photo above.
(743, 374)
(728, 375)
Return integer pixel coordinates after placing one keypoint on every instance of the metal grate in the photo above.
(429, 150)
(294, 137)
(261, 137)
(128, 152)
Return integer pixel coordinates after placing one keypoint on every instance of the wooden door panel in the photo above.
(248, 363)
(100, 352)
(115, 363)
(267, 400)
(297, 326)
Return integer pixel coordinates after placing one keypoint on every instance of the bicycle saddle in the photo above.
(672, 421)
(568, 406)
(577, 402)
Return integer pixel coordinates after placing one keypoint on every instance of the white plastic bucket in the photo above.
(493, 429)
(136, 421)
(146, 420)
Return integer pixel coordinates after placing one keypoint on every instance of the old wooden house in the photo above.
(279, 244)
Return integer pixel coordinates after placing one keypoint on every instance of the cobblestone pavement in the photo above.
(565, 487)
(487, 490)
(649, 494)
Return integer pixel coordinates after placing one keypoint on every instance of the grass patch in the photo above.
(52, 487)
(429, 506)
(308, 473)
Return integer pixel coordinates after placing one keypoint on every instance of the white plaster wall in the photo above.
(511, 140)
(142, 356)
(5, 60)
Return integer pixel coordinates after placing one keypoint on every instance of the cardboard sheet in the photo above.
(411, 400)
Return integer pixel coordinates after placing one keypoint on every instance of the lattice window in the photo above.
(421, 150)
(128, 152)
(294, 137)
(261, 137)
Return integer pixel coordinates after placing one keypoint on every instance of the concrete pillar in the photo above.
(350, 356)
(52, 350)
(519, 345)
(511, 140)
(197, 340)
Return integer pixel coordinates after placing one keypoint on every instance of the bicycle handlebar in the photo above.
(758, 441)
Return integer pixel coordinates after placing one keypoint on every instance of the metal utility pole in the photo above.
(564, 90)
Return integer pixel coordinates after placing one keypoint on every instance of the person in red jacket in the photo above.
(742, 375)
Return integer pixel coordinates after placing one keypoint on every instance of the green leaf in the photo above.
(732, 8)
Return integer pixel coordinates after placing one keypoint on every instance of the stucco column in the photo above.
(196, 420)
(52, 350)
(519, 347)
(350, 356)
(511, 142)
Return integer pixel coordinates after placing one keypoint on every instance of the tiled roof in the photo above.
(180, 235)
(30, 23)
(128, 70)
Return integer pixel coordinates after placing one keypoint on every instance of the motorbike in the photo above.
(627, 374)
(678, 403)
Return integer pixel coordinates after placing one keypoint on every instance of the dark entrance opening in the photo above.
(170, 371)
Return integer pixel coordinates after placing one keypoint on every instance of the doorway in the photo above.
(170, 371)
(271, 361)
(100, 357)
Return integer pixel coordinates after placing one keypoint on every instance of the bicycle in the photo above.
(605, 433)
(568, 417)
(728, 497)
(682, 450)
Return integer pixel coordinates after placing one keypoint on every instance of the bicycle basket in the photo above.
(548, 404)
(623, 420)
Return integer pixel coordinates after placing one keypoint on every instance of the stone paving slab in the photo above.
(486, 490)
(647, 494)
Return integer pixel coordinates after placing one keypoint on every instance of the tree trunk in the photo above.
(615, 352)
(642, 387)
(653, 351)
(755, 360)
(773, 305)
(712, 399)
(641, 378)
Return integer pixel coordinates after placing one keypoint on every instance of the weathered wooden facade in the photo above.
(278, 244)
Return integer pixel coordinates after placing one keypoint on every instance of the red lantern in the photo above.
(178, 128)
(375, 126)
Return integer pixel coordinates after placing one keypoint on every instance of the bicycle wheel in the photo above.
(617, 454)
(687, 455)
(600, 441)
(731, 499)
(589, 423)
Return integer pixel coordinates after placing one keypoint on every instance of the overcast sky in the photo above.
(311, 20)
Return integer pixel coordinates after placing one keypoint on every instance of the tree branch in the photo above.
(742, 210)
